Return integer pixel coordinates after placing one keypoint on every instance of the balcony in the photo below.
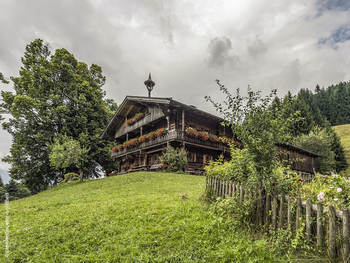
(173, 135)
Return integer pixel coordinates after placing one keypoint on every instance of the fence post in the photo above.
(241, 193)
(289, 213)
(346, 234)
(332, 231)
(319, 224)
(274, 210)
(280, 223)
(308, 220)
(298, 211)
(231, 186)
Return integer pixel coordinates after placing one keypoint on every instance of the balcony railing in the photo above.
(173, 135)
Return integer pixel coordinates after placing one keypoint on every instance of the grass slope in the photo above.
(136, 217)
(343, 132)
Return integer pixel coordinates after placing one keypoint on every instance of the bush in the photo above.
(71, 177)
(174, 159)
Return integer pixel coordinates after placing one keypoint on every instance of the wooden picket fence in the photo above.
(320, 221)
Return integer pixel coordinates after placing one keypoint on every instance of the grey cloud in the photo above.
(290, 76)
(219, 53)
(256, 48)
(333, 5)
(166, 29)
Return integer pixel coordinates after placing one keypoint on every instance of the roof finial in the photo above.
(149, 84)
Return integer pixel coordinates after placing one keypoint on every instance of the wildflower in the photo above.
(336, 199)
(339, 190)
(300, 180)
(320, 196)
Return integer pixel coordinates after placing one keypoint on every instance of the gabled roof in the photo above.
(133, 104)
(301, 150)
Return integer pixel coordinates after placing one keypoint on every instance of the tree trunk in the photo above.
(81, 175)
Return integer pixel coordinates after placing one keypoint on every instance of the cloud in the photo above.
(333, 5)
(219, 50)
(257, 48)
(339, 35)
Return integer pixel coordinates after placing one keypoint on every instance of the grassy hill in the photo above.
(136, 217)
(343, 132)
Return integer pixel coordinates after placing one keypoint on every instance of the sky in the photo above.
(186, 45)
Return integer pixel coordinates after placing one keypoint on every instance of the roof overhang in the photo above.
(133, 104)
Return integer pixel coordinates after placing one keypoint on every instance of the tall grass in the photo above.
(138, 217)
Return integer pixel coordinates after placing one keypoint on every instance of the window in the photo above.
(190, 157)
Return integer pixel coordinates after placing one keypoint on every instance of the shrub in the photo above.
(174, 159)
(70, 177)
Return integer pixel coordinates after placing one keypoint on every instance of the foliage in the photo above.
(135, 118)
(138, 140)
(343, 133)
(334, 102)
(205, 136)
(174, 159)
(259, 127)
(139, 215)
(67, 152)
(3, 79)
(68, 177)
(335, 189)
(310, 117)
(318, 141)
(15, 191)
(338, 149)
(125, 167)
(54, 94)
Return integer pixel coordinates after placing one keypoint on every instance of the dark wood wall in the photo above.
(297, 159)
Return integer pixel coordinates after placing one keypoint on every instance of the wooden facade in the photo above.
(298, 160)
(175, 118)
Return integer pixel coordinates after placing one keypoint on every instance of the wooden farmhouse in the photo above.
(143, 127)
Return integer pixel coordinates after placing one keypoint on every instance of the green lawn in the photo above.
(136, 217)
(343, 132)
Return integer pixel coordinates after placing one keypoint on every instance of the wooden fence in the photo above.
(326, 227)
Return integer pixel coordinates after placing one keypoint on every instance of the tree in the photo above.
(259, 126)
(3, 79)
(318, 141)
(53, 95)
(338, 150)
(174, 159)
(15, 190)
(67, 152)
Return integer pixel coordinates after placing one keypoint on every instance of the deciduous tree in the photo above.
(67, 152)
(54, 94)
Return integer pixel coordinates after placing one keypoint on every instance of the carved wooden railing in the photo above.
(173, 135)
